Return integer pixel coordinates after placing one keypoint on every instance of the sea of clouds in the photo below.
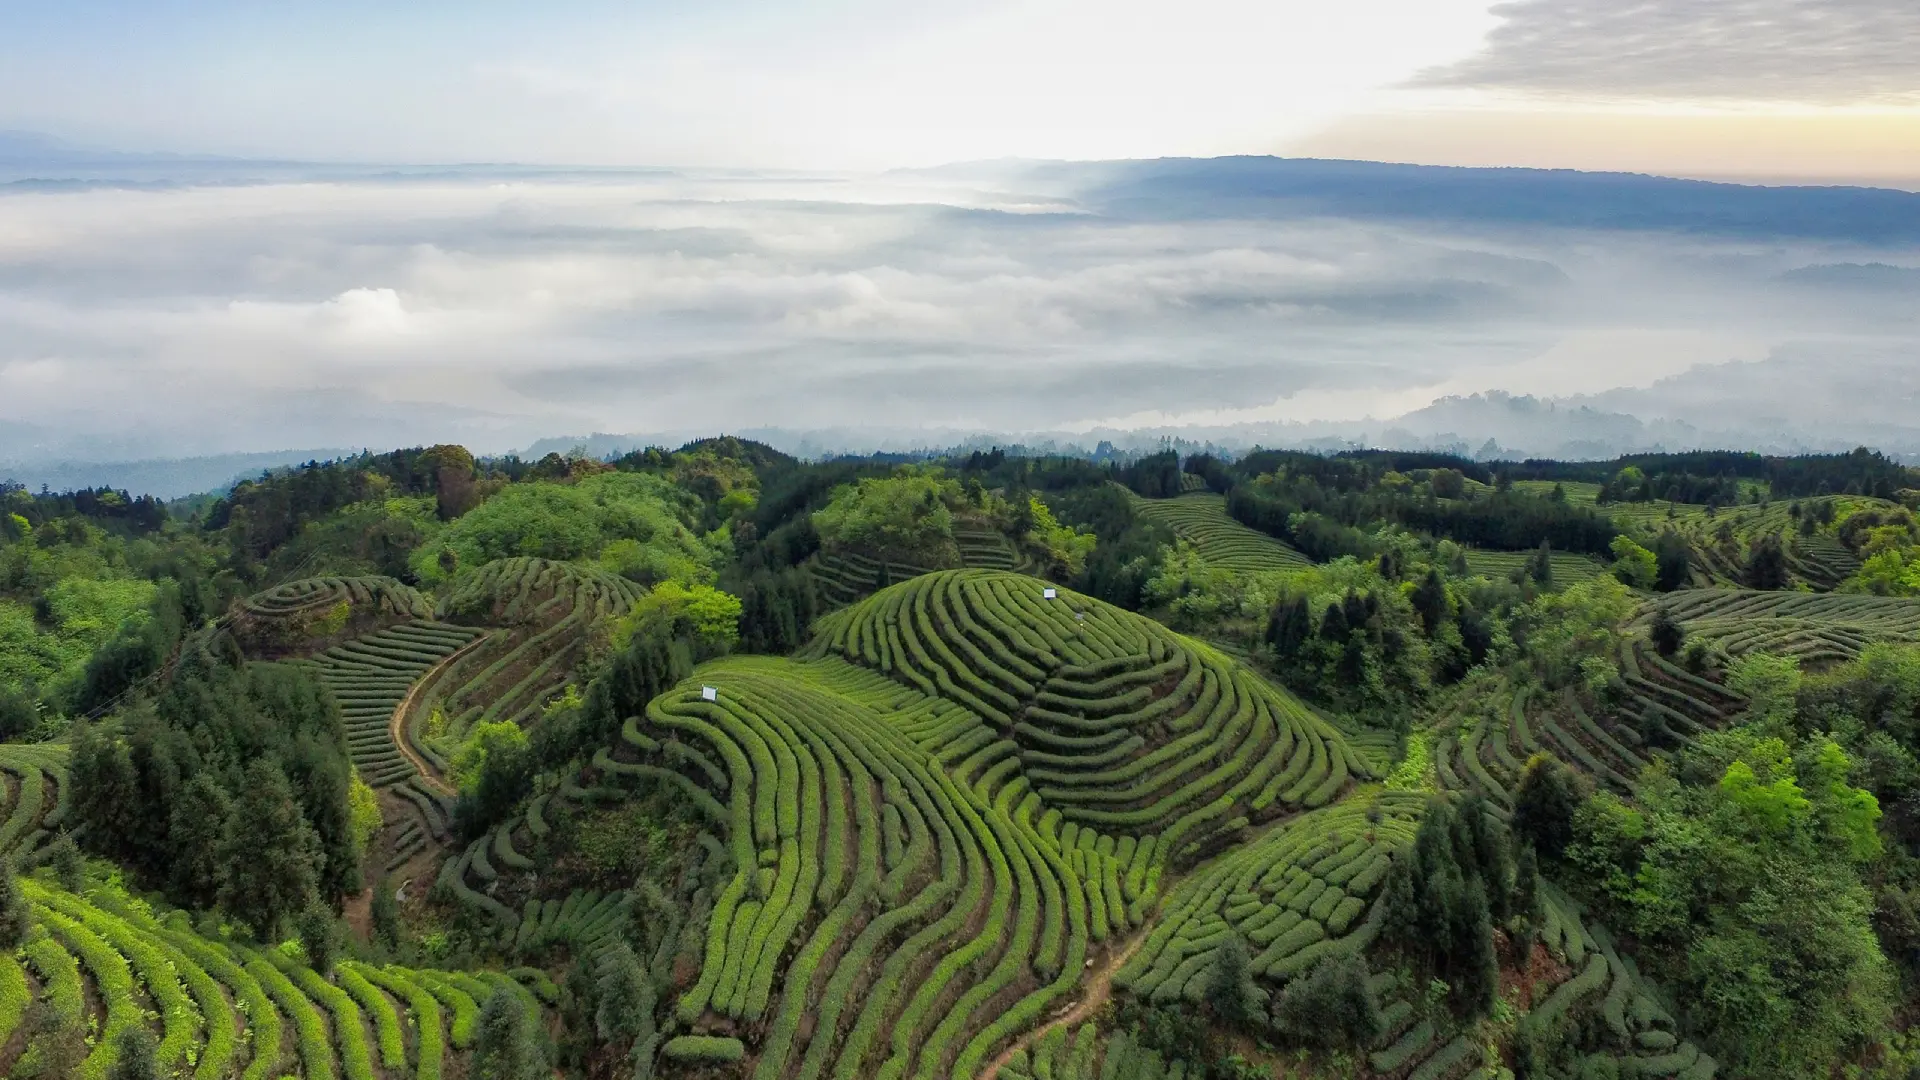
(494, 307)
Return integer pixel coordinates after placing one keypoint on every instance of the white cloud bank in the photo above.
(204, 320)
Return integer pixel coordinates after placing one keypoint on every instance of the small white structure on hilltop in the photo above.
(1049, 593)
(709, 693)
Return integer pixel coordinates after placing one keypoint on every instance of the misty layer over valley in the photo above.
(159, 308)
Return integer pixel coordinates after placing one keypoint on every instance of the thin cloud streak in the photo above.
(1808, 52)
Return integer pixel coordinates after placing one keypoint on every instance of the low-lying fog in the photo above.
(494, 307)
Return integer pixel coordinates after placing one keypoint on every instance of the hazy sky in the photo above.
(1772, 88)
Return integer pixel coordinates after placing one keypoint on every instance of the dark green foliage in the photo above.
(199, 819)
(1289, 626)
(1430, 600)
(1540, 565)
(625, 998)
(505, 1046)
(1524, 901)
(1156, 476)
(136, 1060)
(1673, 561)
(1766, 566)
(19, 712)
(69, 866)
(776, 609)
(384, 913)
(1666, 633)
(506, 777)
(1331, 1008)
(215, 719)
(270, 855)
(1231, 992)
(633, 676)
(319, 936)
(14, 916)
(56, 1044)
(1317, 504)
(1544, 803)
(1439, 915)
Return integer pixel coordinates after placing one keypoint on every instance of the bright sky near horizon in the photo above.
(1786, 89)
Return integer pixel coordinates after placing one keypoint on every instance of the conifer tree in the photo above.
(319, 936)
(270, 856)
(199, 820)
(69, 866)
(504, 1046)
(14, 916)
(1231, 992)
(1332, 1007)
(384, 913)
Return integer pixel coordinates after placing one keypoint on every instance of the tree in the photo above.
(1231, 992)
(1766, 566)
(136, 1058)
(1290, 625)
(1666, 633)
(319, 936)
(1430, 600)
(494, 770)
(1332, 1007)
(1544, 803)
(14, 916)
(625, 996)
(270, 855)
(384, 913)
(69, 866)
(504, 1047)
(199, 819)
(1673, 561)
(1540, 567)
(1634, 565)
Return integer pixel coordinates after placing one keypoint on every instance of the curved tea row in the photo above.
(1117, 722)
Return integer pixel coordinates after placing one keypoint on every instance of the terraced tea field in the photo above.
(293, 615)
(1576, 491)
(1663, 705)
(956, 798)
(1816, 627)
(37, 797)
(1568, 568)
(223, 1010)
(848, 577)
(1202, 519)
(536, 613)
(1722, 539)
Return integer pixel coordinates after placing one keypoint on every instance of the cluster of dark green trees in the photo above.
(1713, 476)
(228, 789)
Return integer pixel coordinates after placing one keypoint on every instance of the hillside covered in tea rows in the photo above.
(714, 762)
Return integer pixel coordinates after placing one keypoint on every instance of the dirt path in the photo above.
(396, 726)
(1097, 988)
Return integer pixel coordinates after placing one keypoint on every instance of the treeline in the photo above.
(1699, 474)
(1327, 522)
(105, 507)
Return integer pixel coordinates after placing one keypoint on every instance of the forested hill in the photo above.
(713, 762)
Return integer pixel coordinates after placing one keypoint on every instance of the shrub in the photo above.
(705, 1049)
